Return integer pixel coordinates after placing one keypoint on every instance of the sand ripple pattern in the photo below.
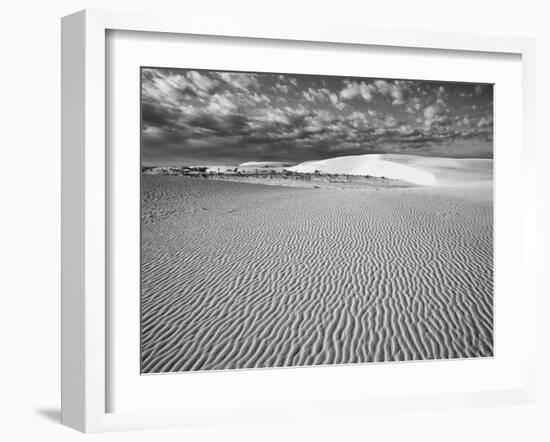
(245, 276)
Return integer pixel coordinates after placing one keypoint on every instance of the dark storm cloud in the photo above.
(192, 117)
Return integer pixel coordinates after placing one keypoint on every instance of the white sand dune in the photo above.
(264, 164)
(241, 276)
(429, 171)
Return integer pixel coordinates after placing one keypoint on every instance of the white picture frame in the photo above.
(85, 202)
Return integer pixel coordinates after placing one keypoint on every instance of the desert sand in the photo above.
(238, 275)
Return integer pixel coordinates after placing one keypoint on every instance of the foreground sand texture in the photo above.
(238, 275)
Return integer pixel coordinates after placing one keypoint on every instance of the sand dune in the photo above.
(240, 275)
(430, 171)
(264, 164)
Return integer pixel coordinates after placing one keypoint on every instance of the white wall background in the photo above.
(30, 221)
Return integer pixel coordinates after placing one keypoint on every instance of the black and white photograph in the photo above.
(292, 220)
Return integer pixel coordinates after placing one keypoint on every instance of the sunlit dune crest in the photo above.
(264, 164)
(422, 170)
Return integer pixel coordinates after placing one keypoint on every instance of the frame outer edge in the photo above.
(531, 294)
(73, 370)
(95, 222)
(83, 187)
(83, 373)
(340, 33)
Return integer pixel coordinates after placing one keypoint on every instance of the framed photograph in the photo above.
(264, 223)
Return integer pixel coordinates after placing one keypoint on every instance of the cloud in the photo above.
(172, 88)
(222, 104)
(392, 122)
(340, 105)
(395, 90)
(485, 122)
(283, 88)
(463, 120)
(208, 117)
(200, 84)
(284, 79)
(323, 95)
(357, 120)
(158, 115)
(397, 94)
(257, 98)
(240, 81)
(354, 90)
(382, 86)
(435, 114)
(275, 116)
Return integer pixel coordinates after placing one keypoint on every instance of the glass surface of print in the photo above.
(300, 220)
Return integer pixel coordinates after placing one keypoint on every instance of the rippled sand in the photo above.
(239, 275)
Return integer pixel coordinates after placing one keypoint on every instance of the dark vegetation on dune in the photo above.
(278, 174)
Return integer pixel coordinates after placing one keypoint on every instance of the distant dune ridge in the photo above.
(239, 275)
(264, 164)
(429, 171)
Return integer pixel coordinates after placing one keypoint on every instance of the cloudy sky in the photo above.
(211, 118)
